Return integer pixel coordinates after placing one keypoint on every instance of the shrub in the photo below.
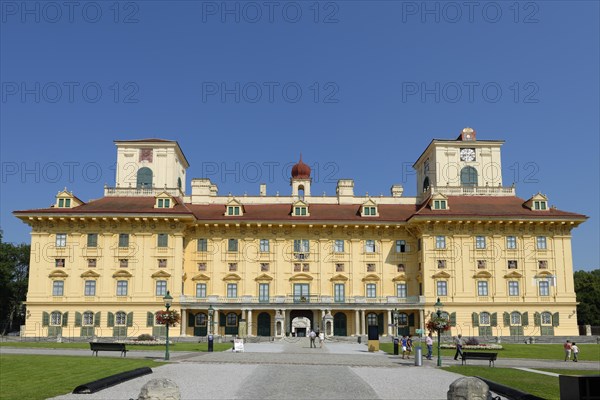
(144, 337)
(472, 341)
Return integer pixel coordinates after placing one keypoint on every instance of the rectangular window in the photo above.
(401, 290)
(301, 292)
(232, 290)
(58, 288)
(512, 264)
(301, 246)
(544, 288)
(201, 290)
(401, 268)
(120, 318)
(371, 290)
(263, 292)
(91, 263)
(339, 267)
(161, 288)
(511, 242)
(440, 242)
(202, 266)
(299, 210)
(202, 245)
(88, 318)
(338, 246)
(339, 292)
(400, 246)
(541, 243)
(162, 240)
(122, 288)
(61, 203)
(297, 267)
(441, 264)
(442, 288)
(92, 240)
(123, 240)
(61, 240)
(439, 204)
(264, 267)
(160, 203)
(543, 264)
(305, 267)
(233, 210)
(369, 246)
(481, 264)
(123, 263)
(370, 267)
(232, 245)
(167, 203)
(482, 288)
(513, 288)
(162, 263)
(90, 288)
(233, 267)
(264, 245)
(369, 210)
(59, 262)
(480, 242)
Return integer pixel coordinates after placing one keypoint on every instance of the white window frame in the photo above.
(511, 242)
(482, 288)
(58, 288)
(160, 288)
(480, 242)
(120, 318)
(485, 318)
(122, 284)
(264, 246)
(371, 290)
(232, 290)
(201, 290)
(202, 245)
(440, 242)
(87, 318)
(55, 318)
(61, 240)
(544, 288)
(515, 318)
(89, 288)
(401, 290)
(370, 246)
(541, 243)
(338, 246)
(442, 288)
(513, 288)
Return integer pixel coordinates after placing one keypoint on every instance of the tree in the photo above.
(587, 289)
(14, 277)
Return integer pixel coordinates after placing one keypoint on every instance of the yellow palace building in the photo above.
(282, 265)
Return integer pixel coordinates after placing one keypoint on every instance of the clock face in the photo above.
(467, 154)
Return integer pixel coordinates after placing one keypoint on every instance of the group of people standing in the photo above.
(571, 348)
(313, 337)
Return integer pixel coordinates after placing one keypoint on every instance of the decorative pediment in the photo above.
(201, 277)
(232, 277)
(263, 278)
(66, 199)
(234, 208)
(482, 274)
(544, 274)
(122, 274)
(438, 201)
(513, 275)
(371, 278)
(164, 200)
(90, 274)
(161, 274)
(369, 209)
(339, 278)
(441, 274)
(537, 202)
(58, 274)
(301, 277)
(300, 209)
(400, 278)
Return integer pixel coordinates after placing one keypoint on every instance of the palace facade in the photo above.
(282, 265)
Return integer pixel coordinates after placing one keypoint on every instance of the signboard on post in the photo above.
(238, 345)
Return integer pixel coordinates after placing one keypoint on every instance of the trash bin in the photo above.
(211, 341)
(396, 352)
(418, 356)
(359, 340)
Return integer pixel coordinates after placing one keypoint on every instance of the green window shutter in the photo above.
(110, 320)
(45, 319)
(130, 319)
(222, 319)
(453, 319)
(537, 319)
(475, 319)
(191, 320)
(555, 321)
(494, 319)
(97, 319)
(149, 319)
(77, 319)
(525, 319)
(65, 319)
(411, 320)
(506, 318)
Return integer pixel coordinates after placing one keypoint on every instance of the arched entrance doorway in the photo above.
(301, 321)
(339, 324)
(264, 324)
(199, 322)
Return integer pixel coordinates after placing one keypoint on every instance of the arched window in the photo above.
(484, 318)
(402, 319)
(88, 318)
(372, 319)
(55, 318)
(426, 184)
(144, 177)
(468, 176)
(120, 318)
(515, 318)
(200, 319)
(546, 318)
(301, 192)
(231, 319)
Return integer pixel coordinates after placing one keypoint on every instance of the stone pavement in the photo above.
(291, 369)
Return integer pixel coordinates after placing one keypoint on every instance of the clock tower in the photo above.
(460, 166)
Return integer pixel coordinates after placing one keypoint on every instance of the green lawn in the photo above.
(39, 377)
(183, 346)
(587, 352)
(571, 371)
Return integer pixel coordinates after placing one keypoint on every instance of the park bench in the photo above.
(99, 346)
(479, 355)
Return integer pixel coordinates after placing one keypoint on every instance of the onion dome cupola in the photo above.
(300, 179)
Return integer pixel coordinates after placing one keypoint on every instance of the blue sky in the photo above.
(360, 88)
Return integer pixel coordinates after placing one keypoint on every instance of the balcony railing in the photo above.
(297, 299)
(140, 192)
(471, 190)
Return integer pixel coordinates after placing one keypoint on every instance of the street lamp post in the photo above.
(211, 312)
(438, 310)
(396, 320)
(168, 299)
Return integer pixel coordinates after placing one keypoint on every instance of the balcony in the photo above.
(471, 191)
(140, 192)
(314, 299)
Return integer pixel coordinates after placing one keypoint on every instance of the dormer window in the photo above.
(300, 209)
(233, 210)
(66, 199)
(540, 205)
(369, 210)
(164, 200)
(164, 203)
(537, 202)
(64, 203)
(440, 205)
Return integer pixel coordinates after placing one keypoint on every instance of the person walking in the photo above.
(575, 351)
(312, 335)
(321, 339)
(459, 345)
(567, 346)
(409, 346)
(429, 343)
(404, 346)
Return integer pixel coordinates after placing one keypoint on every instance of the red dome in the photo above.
(301, 170)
